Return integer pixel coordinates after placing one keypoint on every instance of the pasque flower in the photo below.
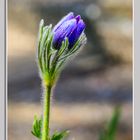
(70, 27)
(55, 46)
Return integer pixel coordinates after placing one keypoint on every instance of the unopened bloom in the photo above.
(70, 27)
(59, 43)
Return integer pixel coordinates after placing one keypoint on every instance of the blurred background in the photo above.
(90, 86)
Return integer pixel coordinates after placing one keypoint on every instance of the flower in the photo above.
(70, 27)
(56, 45)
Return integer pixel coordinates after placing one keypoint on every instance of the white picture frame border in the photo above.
(136, 70)
(3, 69)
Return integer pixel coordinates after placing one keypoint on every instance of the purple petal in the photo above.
(64, 19)
(78, 18)
(76, 33)
(63, 31)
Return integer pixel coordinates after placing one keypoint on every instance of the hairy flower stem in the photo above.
(46, 113)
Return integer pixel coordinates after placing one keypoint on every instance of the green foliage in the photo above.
(59, 135)
(36, 128)
(111, 128)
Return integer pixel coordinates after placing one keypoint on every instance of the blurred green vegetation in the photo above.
(110, 130)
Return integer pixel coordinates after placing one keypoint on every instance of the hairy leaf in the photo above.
(59, 135)
(36, 128)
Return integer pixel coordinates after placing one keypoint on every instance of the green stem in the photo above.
(46, 113)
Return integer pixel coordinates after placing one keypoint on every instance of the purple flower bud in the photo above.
(70, 27)
(64, 19)
(63, 31)
(76, 33)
